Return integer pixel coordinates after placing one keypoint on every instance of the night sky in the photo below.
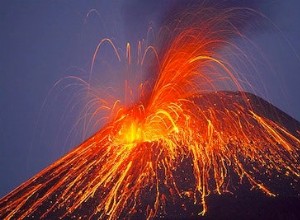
(43, 41)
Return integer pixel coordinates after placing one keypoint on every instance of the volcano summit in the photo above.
(100, 179)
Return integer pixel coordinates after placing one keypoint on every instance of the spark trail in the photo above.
(173, 134)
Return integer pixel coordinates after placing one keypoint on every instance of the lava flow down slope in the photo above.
(180, 143)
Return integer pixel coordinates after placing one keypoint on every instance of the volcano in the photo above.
(79, 186)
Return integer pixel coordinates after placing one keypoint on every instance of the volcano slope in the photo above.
(83, 183)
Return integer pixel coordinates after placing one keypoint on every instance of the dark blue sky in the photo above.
(42, 41)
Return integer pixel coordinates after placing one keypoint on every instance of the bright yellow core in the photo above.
(132, 133)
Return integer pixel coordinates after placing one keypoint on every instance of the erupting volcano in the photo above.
(179, 143)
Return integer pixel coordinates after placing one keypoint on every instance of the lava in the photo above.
(139, 159)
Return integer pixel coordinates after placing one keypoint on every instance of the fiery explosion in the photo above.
(173, 145)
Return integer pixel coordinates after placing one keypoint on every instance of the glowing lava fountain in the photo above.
(176, 144)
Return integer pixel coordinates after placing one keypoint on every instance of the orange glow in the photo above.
(141, 150)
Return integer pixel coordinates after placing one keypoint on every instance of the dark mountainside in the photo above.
(242, 203)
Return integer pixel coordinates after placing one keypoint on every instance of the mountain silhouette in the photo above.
(49, 194)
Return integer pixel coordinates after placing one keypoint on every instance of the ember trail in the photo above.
(134, 166)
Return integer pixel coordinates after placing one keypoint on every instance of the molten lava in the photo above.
(175, 145)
